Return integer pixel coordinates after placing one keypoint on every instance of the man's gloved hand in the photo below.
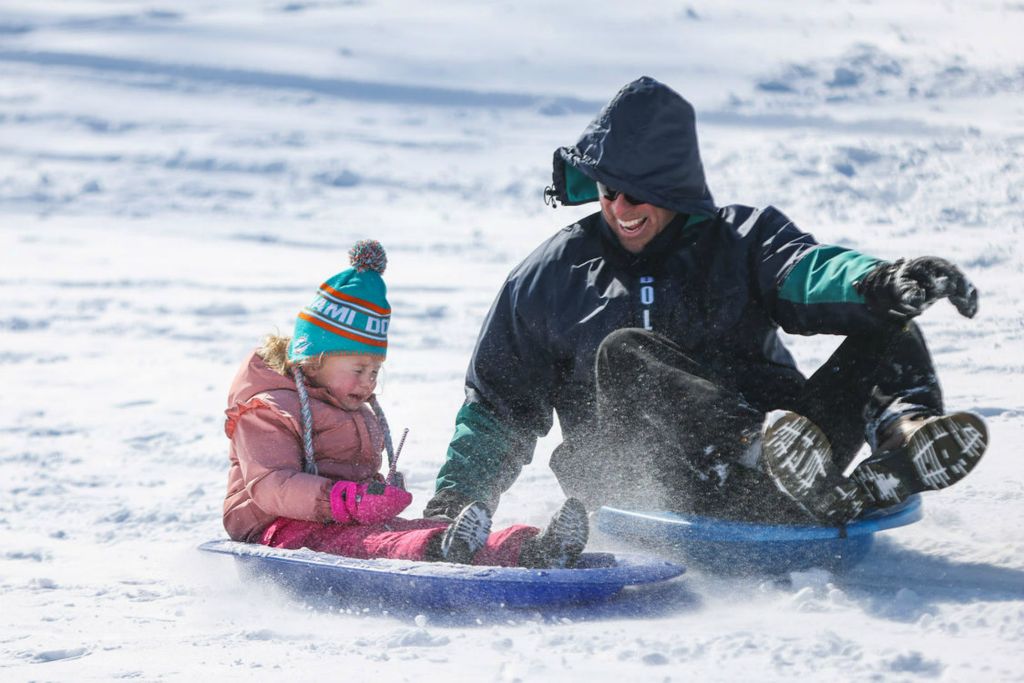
(446, 503)
(903, 289)
(371, 503)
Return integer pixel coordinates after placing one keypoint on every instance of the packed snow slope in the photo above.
(176, 179)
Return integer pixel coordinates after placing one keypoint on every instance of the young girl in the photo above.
(306, 438)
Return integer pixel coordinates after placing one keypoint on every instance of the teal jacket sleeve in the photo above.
(810, 287)
(485, 455)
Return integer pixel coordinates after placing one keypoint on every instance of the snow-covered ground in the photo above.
(176, 178)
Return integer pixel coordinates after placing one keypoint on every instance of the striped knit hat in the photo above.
(350, 313)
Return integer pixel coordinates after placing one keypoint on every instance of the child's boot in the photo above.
(562, 543)
(466, 535)
(921, 451)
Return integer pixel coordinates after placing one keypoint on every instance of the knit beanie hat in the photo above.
(350, 313)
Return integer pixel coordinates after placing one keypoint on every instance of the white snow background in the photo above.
(177, 178)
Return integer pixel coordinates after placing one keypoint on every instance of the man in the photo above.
(650, 328)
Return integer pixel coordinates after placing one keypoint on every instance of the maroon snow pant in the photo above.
(398, 539)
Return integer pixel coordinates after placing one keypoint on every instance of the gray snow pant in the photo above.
(678, 430)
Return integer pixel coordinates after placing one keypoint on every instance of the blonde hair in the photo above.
(274, 352)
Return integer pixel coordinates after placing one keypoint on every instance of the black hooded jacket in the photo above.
(717, 281)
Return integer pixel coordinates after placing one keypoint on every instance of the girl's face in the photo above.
(350, 379)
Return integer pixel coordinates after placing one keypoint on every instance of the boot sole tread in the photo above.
(938, 455)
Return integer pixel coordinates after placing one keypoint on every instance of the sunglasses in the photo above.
(611, 195)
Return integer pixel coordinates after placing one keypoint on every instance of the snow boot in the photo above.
(798, 457)
(562, 543)
(921, 452)
(466, 535)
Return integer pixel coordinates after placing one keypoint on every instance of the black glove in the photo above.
(903, 289)
(446, 503)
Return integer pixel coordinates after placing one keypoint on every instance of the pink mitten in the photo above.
(371, 503)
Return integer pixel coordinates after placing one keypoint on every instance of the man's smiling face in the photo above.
(634, 224)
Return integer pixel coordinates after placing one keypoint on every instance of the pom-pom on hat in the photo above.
(350, 313)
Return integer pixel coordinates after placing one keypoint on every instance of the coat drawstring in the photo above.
(389, 446)
(394, 477)
(309, 462)
(551, 196)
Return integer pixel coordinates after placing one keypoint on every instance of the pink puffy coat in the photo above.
(266, 480)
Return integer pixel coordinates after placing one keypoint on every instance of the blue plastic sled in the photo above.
(438, 585)
(726, 546)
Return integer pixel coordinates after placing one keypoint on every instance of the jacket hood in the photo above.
(256, 377)
(643, 143)
(256, 380)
